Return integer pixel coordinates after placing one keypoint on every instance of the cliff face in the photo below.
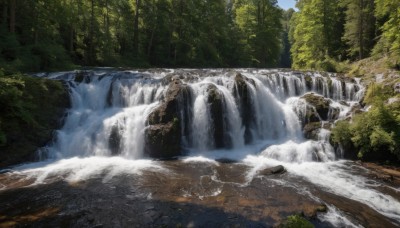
(32, 108)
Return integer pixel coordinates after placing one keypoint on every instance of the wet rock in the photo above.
(163, 140)
(245, 103)
(309, 81)
(226, 160)
(216, 102)
(320, 103)
(114, 142)
(82, 77)
(163, 135)
(311, 130)
(311, 212)
(311, 115)
(333, 113)
(274, 170)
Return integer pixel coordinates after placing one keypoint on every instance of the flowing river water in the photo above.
(96, 172)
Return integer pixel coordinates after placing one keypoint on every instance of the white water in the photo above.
(278, 112)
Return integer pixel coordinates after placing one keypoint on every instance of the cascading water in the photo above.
(110, 109)
(256, 117)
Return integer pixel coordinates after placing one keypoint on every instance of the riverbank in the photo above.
(32, 108)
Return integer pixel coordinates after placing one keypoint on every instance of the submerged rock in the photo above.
(273, 170)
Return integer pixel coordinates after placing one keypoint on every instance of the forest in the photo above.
(48, 35)
(53, 35)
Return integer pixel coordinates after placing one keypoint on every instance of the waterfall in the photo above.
(223, 109)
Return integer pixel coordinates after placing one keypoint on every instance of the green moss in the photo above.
(296, 221)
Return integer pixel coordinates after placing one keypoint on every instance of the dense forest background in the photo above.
(42, 35)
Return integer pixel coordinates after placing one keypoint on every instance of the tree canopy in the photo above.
(48, 35)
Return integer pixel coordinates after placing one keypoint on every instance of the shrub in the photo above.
(375, 134)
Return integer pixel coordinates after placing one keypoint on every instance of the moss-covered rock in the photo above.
(32, 110)
(320, 103)
(296, 221)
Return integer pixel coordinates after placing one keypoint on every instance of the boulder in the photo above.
(273, 170)
(309, 82)
(245, 103)
(163, 135)
(163, 140)
(114, 142)
(320, 103)
(216, 102)
(311, 130)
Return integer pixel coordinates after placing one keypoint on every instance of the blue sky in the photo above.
(286, 4)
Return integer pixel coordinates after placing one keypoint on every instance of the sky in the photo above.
(286, 4)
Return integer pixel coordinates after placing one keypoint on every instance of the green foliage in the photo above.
(359, 27)
(316, 34)
(388, 14)
(375, 134)
(378, 93)
(50, 35)
(30, 110)
(341, 134)
(296, 221)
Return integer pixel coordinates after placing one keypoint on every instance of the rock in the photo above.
(320, 103)
(44, 103)
(114, 142)
(355, 109)
(163, 140)
(216, 102)
(245, 103)
(393, 100)
(333, 113)
(309, 81)
(82, 77)
(274, 170)
(226, 160)
(164, 133)
(311, 130)
(396, 87)
(311, 212)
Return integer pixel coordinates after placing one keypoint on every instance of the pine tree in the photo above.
(360, 27)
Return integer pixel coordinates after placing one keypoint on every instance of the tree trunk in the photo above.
(5, 14)
(13, 6)
(91, 35)
(136, 30)
(361, 29)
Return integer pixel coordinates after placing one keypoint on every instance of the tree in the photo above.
(260, 22)
(359, 27)
(317, 33)
(388, 13)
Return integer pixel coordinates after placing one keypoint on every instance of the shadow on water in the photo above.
(94, 204)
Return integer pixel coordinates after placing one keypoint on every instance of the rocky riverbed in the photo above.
(187, 193)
